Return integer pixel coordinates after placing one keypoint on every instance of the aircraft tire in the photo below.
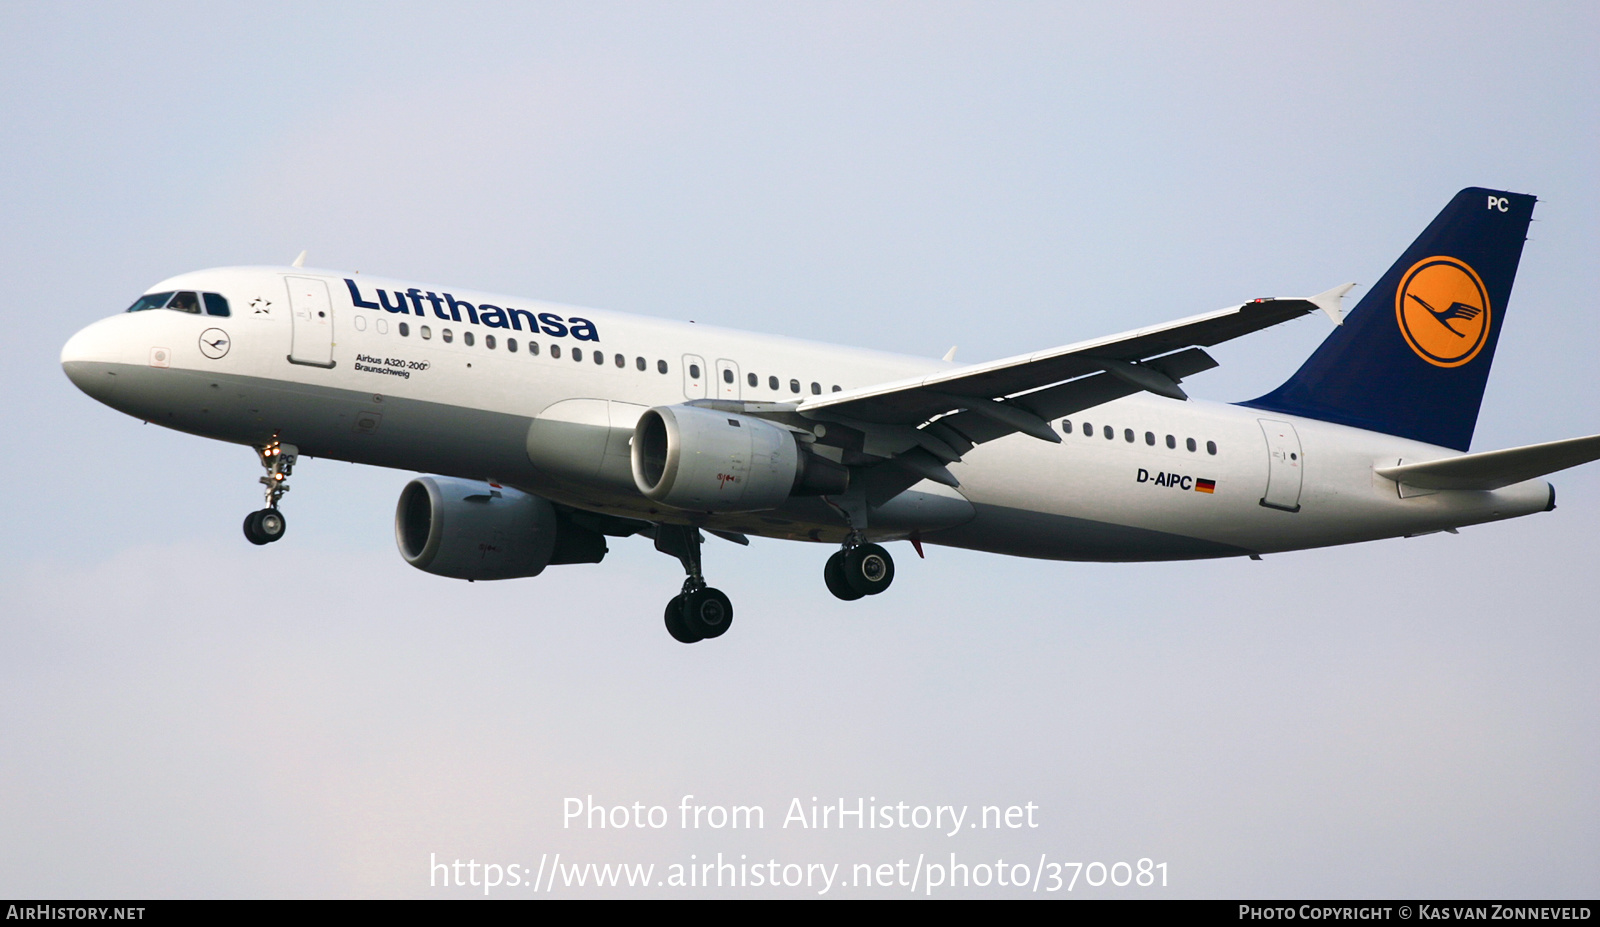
(676, 626)
(271, 524)
(707, 612)
(868, 569)
(833, 575)
(252, 529)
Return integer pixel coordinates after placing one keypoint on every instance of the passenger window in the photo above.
(425, 332)
(794, 386)
(1150, 438)
(1171, 442)
(772, 382)
(216, 305)
(533, 349)
(1088, 430)
(1109, 433)
(661, 366)
(694, 371)
(185, 302)
(555, 351)
(511, 345)
(444, 333)
(837, 389)
(488, 342)
(1189, 444)
(405, 331)
(1127, 435)
(152, 301)
(1211, 448)
(466, 338)
(1066, 426)
(577, 355)
(752, 379)
(640, 363)
(727, 375)
(600, 358)
(621, 361)
(816, 389)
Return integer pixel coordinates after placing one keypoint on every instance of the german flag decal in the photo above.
(1204, 485)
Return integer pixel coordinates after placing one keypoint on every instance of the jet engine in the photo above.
(470, 530)
(697, 458)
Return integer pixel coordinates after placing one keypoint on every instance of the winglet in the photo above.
(1329, 301)
(299, 261)
(950, 355)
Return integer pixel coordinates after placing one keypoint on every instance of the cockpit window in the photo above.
(184, 301)
(151, 301)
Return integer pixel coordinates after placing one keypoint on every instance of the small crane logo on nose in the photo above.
(214, 343)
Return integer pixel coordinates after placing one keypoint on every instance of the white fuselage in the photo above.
(556, 423)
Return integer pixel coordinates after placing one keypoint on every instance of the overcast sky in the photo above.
(183, 714)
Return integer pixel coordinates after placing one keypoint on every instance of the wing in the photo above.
(947, 413)
(896, 434)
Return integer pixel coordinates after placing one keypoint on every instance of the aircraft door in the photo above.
(311, 312)
(1284, 471)
(727, 379)
(694, 377)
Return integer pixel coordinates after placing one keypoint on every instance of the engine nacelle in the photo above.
(465, 529)
(692, 457)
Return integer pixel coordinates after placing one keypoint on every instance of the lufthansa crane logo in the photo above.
(214, 343)
(1443, 311)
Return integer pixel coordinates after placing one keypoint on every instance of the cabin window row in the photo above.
(754, 381)
(491, 342)
(579, 355)
(1130, 437)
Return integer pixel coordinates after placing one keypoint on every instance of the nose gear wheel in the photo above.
(268, 524)
(264, 526)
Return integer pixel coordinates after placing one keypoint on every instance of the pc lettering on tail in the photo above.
(551, 433)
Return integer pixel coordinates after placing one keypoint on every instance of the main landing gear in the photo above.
(268, 525)
(699, 612)
(858, 570)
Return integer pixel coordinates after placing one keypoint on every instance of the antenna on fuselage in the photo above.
(299, 261)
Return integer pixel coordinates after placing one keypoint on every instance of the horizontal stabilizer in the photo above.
(1494, 469)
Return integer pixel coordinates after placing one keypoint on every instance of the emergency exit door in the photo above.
(311, 314)
(1284, 466)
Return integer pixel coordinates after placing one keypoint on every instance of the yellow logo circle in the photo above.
(1443, 311)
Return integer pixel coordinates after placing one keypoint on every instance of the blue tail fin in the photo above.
(1413, 356)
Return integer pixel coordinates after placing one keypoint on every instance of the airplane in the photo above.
(542, 430)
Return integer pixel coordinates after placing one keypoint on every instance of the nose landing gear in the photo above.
(267, 525)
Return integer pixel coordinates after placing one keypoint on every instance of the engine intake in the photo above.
(691, 457)
(465, 529)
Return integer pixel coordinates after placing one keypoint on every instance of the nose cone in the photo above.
(90, 358)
